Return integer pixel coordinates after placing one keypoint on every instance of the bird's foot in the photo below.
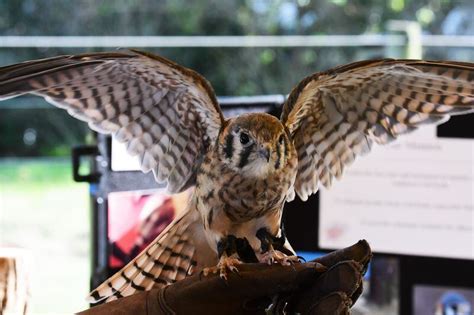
(273, 256)
(224, 265)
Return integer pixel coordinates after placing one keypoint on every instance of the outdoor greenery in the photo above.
(232, 71)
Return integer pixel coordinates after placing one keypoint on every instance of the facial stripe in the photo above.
(278, 151)
(229, 146)
(285, 145)
(244, 155)
(210, 216)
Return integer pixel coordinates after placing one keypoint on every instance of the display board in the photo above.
(121, 160)
(412, 197)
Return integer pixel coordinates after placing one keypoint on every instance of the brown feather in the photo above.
(168, 115)
(343, 110)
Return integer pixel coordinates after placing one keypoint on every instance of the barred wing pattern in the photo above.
(336, 115)
(173, 255)
(166, 114)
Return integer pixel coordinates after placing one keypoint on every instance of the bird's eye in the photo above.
(244, 138)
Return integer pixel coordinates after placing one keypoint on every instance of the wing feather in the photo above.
(158, 108)
(334, 116)
(167, 259)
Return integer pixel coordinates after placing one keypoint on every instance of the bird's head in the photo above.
(255, 144)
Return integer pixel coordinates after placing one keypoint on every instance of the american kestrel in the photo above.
(243, 168)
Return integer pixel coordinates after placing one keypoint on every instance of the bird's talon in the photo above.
(234, 269)
(201, 274)
(225, 264)
(273, 256)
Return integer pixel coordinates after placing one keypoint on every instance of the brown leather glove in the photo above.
(329, 285)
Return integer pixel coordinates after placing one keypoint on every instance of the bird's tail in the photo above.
(169, 258)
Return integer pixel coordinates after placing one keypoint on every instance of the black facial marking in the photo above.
(229, 149)
(285, 145)
(210, 217)
(244, 155)
(277, 163)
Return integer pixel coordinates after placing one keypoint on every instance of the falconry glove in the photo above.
(328, 285)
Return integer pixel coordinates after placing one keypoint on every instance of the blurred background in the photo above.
(45, 212)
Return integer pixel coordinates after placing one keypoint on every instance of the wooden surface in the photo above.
(14, 291)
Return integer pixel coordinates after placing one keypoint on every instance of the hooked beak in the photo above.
(264, 153)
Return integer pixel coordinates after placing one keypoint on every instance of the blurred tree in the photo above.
(232, 71)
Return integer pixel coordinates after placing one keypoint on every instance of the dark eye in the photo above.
(244, 138)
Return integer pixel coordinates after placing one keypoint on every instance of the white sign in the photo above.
(413, 197)
(121, 160)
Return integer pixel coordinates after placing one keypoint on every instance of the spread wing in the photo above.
(336, 115)
(165, 113)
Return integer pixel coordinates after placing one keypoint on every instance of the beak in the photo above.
(264, 153)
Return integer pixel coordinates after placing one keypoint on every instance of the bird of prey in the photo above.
(244, 168)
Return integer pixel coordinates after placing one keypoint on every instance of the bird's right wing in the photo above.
(166, 114)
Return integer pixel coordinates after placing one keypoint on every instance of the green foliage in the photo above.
(35, 173)
(37, 131)
(232, 71)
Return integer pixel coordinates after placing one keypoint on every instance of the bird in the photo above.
(244, 168)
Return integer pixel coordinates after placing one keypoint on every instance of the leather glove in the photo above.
(328, 285)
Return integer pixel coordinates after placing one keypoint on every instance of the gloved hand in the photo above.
(328, 285)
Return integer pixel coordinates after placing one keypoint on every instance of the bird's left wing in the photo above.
(335, 115)
(166, 114)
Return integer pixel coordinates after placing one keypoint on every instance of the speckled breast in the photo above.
(222, 190)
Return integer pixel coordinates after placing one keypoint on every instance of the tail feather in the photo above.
(182, 262)
(167, 259)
